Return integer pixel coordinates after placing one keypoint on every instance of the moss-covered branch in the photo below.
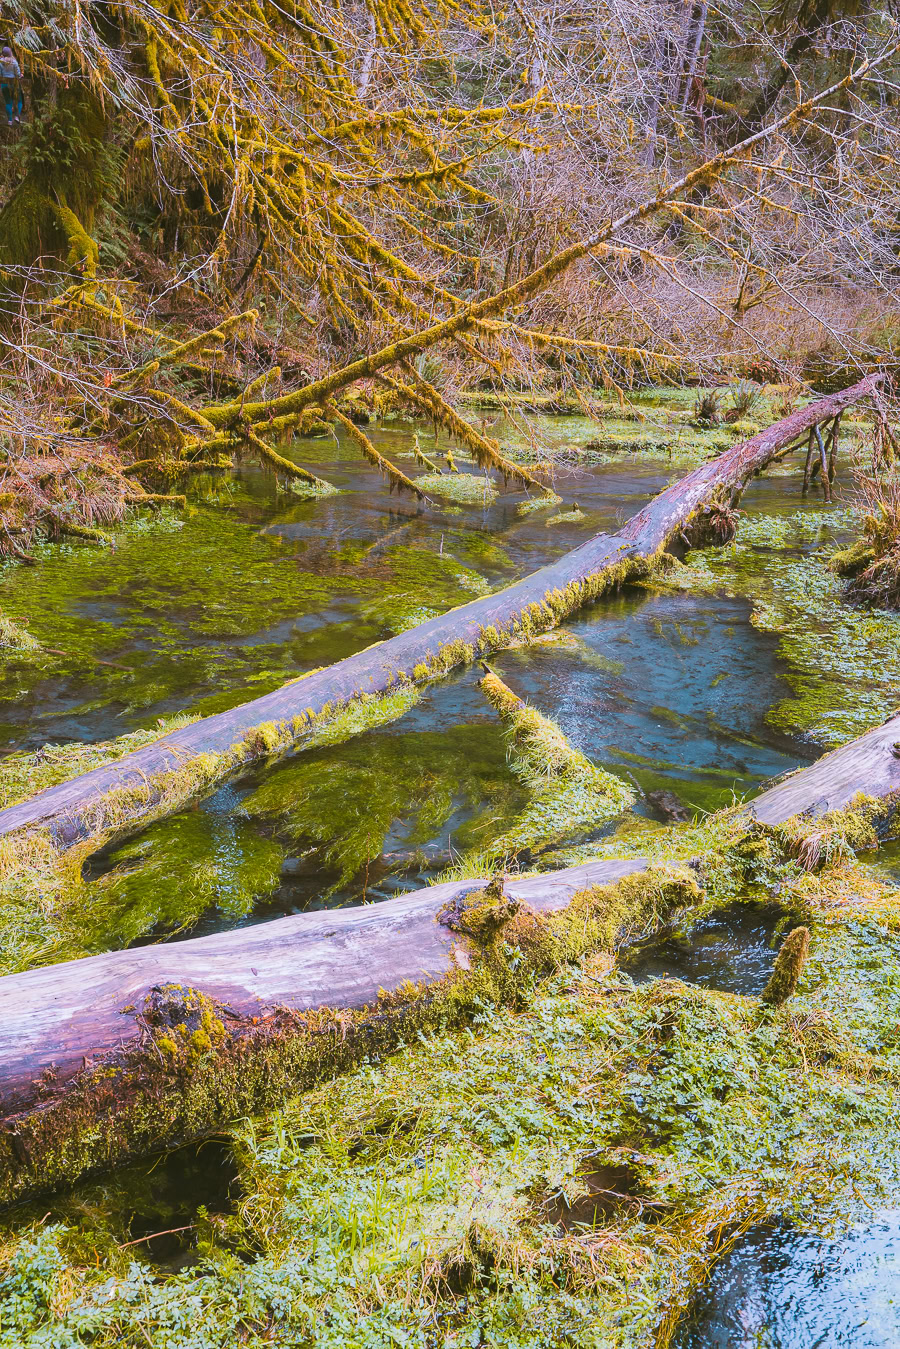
(567, 792)
(486, 453)
(512, 297)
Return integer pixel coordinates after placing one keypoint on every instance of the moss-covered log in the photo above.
(104, 1058)
(684, 514)
(110, 1057)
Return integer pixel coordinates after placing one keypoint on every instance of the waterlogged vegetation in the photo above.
(566, 1170)
(323, 326)
(843, 661)
(675, 694)
(558, 1159)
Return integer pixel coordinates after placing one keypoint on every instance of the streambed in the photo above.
(679, 689)
(695, 691)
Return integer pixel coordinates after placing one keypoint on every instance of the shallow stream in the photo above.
(695, 692)
(677, 690)
(783, 1289)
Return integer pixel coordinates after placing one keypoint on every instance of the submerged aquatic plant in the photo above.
(567, 793)
(340, 808)
(468, 489)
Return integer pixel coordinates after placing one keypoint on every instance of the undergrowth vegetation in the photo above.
(561, 1171)
(250, 256)
(872, 562)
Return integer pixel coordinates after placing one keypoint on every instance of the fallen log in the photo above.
(688, 513)
(105, 1058)
(869, 764)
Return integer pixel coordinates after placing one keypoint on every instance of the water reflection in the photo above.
(251, 586)
(733, 951)
(672, 689)
(783, 1289)
(159, 1209)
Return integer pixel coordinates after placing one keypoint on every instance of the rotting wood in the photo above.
(77, 809)
(339, 958)
(131, 1051)
(869, 764)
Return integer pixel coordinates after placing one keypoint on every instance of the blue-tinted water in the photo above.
(783, 1289)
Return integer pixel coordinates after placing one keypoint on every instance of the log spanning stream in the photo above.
(107, 1058)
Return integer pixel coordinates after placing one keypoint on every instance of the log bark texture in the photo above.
(61, 1015)
(74, 809)
(869, 764)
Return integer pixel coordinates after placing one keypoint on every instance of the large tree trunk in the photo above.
(688, 512)
(104, 1058)
(51, 213)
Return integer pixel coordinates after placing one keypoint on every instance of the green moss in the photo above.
(363, 714)
(569, 517)
(184, 1024)
(839, 835)
(465, 488)
(851, 561)
(456, 1182)
(532, 504)
(788, 968)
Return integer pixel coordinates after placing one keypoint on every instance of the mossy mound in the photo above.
(465, 488)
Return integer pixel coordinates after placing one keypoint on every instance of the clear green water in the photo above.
(252, 586)
(733, 950)
(676, 690)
